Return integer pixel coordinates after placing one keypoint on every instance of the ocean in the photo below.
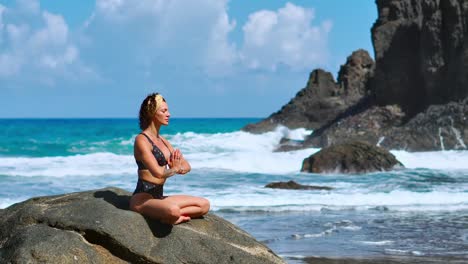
(421, 210)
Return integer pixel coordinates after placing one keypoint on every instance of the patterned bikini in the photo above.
(156, 190)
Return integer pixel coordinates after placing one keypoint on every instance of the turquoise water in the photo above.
(418, 211)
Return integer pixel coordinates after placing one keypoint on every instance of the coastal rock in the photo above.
(440, 127)
(323, 99)
(353, 157)
(97, 227)
(292, 185)
(421, 53)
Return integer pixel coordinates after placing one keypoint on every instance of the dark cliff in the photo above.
(421, 53)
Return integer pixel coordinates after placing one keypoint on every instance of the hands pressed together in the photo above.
(175, 161)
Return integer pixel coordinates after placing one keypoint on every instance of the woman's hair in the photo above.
(148, 109)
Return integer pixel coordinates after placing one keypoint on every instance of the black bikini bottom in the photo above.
(156, 190)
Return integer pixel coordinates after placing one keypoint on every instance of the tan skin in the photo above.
(174, 209)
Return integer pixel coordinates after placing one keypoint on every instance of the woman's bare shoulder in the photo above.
(141, 140)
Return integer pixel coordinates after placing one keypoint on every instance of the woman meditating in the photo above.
(157, 160)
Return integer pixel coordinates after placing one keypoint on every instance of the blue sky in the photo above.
(209, 58)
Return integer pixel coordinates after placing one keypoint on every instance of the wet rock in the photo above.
(439, 127)
(292, 185)
(353, 157)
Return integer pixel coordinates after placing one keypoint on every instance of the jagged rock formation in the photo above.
(322, 99)
(352, 157)
(97, 227)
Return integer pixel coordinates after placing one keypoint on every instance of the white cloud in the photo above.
(126, 10)
(36, 45)
(176, 32)
(186, 36)
(285, 37)
(195, 34)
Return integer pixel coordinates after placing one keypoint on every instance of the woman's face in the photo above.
(162, 115)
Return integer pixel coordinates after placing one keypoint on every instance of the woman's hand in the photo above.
(175, 161)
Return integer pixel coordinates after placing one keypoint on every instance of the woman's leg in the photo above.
(160, 209)
(191, 206)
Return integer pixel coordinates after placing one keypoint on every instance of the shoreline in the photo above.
(392, 259)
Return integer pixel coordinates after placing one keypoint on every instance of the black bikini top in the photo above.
(158, 155)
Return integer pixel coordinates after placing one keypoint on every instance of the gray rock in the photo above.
(97, 227)
(323, 99)
(353, 157)
(439, 127)
(292, 185)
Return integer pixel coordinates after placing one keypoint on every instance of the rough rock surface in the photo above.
(353, 157)
(439, 127)
(323, 99)
(97, 227)
(421, 53)
(292, 185)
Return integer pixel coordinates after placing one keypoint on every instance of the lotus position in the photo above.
(157, 160)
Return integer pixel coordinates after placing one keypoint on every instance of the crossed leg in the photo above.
(174, 209)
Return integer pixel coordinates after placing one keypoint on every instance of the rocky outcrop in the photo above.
(323, 99)
(292, 185)
(440, 127)
(353, 157)
(421, 53)
(97, 227)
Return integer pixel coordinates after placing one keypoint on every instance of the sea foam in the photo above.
(236, 151)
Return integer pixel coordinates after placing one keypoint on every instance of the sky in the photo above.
(208, 58)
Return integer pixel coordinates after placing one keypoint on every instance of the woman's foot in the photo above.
(182, 219)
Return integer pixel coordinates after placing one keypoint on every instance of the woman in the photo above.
(157, 160)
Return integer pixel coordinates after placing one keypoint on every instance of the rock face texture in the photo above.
(97, 227)
(440, 127)
(421, 53)
(322, 99)
(353, 157)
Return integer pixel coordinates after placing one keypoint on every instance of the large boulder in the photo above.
(97, 227)
(352, 157)
(323, 99)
